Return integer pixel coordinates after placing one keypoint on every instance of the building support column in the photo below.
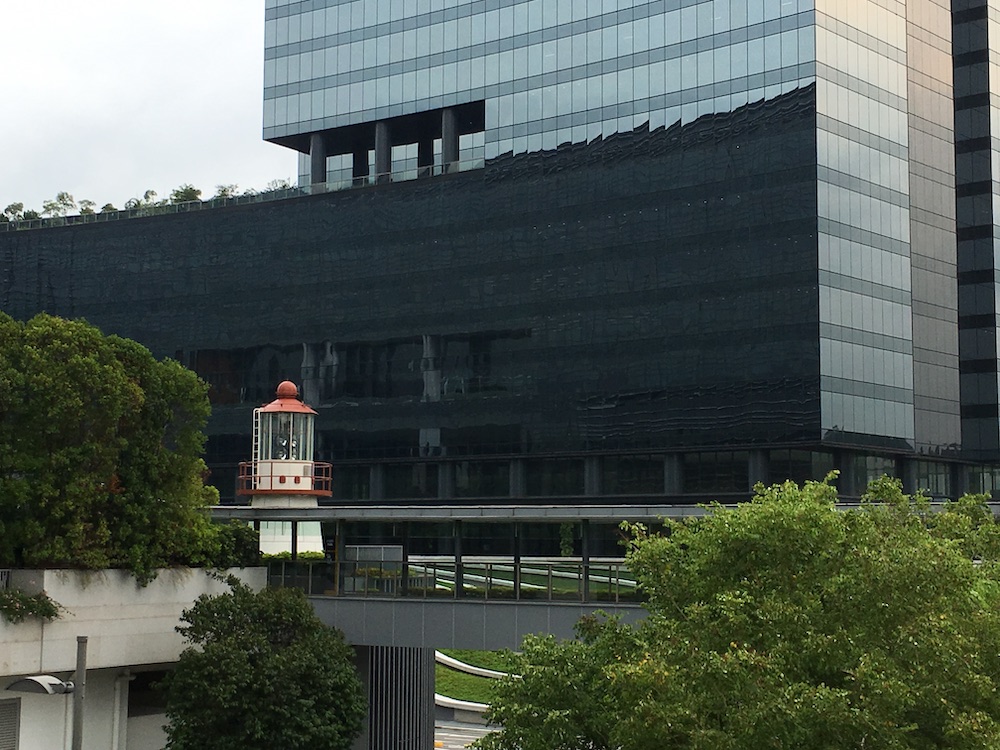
(446, 480)
(317, 162)
(518, 480)
(959, 481)
(585, 557)
(847, 482)
(404, 572)
(295, 540)
(516, 546)
(376, 482)
(449, 141)
(758, 469)
(592, 476)
(456, 531)
(360, 168)
(399, 682)
(673, 474)
(383, 152)
(425, 157)
(906, 470)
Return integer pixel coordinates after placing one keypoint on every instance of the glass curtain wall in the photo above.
(866, 328)
(549, 71)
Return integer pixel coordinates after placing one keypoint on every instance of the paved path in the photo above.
(455, 735)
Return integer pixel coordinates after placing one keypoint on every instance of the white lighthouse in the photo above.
(282, 473)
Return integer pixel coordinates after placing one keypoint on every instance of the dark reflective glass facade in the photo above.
(710, 243)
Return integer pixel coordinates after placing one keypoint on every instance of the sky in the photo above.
(105, 99)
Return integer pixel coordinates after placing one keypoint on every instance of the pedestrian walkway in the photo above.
(456, 735)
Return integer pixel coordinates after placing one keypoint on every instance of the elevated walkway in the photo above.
(456, 623)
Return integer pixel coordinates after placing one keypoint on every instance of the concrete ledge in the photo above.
(126, 624)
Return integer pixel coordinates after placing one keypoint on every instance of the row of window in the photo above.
(702, 473)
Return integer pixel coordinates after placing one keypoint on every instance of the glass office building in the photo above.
(592, 249)
(364, 85)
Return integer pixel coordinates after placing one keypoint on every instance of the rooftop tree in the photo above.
(100, 452)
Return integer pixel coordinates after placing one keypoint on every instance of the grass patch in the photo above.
(496, 660)
(461, 686)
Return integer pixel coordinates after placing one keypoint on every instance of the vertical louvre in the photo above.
(401, 698)
(9, 723)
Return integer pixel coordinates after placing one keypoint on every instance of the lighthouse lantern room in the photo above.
(282, 472)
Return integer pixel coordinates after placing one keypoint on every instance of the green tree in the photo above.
(14, 212)
(185, 194)
(100, 452)
(147, 201)
(59, 206)
(107, 208)
(785, 623)
(87, 207)
(274, 186)
(261, 672)
(226, 191)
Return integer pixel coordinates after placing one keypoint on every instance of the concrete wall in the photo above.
(129, 628)
(450, 623)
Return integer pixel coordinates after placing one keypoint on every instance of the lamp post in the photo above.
(46, 684)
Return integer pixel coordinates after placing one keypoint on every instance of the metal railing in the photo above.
(473, 578)
(250, 480)
(166, 209)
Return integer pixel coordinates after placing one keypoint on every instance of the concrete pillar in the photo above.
(376, 481)
(518, 478)
(446, 480)
(317, 160)
(399, 682)
(758, 469)
(425, 157)
(516, 546)
(404, 573)
(456, 531)
(906, 470)
(383, 152)
(847, 481)
(449, 140)
(360, 166)
(673, 474)
(585, 557)
(959, 481)
(592, 476)
(295, 540)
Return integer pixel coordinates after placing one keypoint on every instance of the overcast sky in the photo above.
(106, 99)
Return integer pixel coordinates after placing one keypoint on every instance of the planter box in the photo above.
(126, 624)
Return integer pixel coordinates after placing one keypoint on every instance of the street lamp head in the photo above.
(45, 684)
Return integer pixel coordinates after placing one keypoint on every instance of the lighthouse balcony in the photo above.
(285, 478)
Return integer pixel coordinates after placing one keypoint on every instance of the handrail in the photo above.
(573, 580)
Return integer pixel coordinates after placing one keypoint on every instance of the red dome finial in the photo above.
(287, 389)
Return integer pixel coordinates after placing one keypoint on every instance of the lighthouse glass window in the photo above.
(290, 437)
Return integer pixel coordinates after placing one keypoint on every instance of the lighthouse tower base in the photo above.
(284, 501)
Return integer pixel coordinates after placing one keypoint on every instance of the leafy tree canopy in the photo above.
(100, 453)
(185, 193)
(226, 191)
(783, 623)
(262, 672)
(61, 205)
